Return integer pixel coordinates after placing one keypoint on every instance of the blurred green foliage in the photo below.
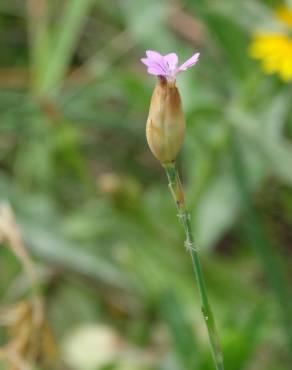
(92, 203)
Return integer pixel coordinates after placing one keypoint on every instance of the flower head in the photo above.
(165, 128)
(275, 52)
(167, 65)
(275, 49)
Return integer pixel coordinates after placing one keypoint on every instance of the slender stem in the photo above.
(178, 195)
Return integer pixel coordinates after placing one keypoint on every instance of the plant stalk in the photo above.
(177, 191)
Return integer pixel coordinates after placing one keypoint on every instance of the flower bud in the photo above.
(165, 127)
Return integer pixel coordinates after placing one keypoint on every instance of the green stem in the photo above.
(178, 195)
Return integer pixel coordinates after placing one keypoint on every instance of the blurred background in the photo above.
(93, 271)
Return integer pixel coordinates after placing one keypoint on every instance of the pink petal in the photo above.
(190, 62)
(148, 62)
(159, 68)
(156, 60)
(171, 60)
(154, 55)
(156, 70)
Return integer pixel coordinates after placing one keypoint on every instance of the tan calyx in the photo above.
(165, 127)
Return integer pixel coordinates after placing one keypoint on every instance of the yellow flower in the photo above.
(275, 50)
(284, 14)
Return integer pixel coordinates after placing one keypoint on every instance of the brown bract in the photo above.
(165, 127)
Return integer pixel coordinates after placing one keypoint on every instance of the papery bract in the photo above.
(165, 128)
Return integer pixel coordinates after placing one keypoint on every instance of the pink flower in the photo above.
(166, 65)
